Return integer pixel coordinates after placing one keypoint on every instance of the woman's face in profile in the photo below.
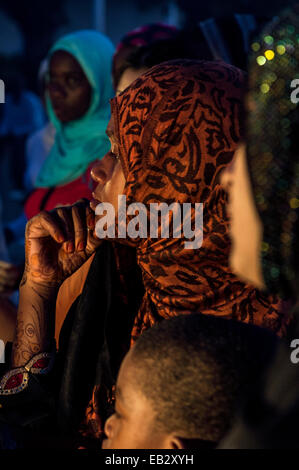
(245, 225)
(108, 174)
(69, 89)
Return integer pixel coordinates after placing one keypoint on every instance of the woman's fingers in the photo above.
(66, 221)
(90, 218)
(92, 240)
(80, 226)
(44, 225)
(73, 226)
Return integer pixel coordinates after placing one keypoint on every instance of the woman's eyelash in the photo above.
(114, 155)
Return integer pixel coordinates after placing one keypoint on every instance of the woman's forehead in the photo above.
(65, 60)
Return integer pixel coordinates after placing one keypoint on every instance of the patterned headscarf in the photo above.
(178, 127)
(273, 149)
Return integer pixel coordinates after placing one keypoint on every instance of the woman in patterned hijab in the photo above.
(175, 129)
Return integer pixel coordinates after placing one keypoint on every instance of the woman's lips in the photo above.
(93, 204)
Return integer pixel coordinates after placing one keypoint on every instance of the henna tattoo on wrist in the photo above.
(34, 327)
(26, 344)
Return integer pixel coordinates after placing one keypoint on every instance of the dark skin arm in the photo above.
(57, 243)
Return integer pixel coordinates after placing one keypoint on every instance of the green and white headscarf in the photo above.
(80, 142)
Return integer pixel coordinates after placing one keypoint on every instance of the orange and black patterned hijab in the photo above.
(178, 126)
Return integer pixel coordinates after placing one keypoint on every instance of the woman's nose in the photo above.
(99, 173)
(56, 90)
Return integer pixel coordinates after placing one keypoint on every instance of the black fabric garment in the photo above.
(93, 341)
(99, 326)
(269, 416)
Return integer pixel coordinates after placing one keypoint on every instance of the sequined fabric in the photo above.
(273, 147)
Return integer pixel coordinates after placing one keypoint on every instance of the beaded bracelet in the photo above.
(16, 380)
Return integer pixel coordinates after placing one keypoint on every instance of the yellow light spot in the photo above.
(281, 49)
(294, 203)
(261, 60)
(265, 88)
(269, 54)
(255, 46)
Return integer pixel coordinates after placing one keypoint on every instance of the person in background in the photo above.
(78, 92)
(263, 187)
(179, 386)
(144, 57)
(132, 41)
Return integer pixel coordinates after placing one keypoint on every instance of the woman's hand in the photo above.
(57, 243)
(10, 276)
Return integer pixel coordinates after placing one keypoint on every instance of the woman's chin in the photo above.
(246, 269)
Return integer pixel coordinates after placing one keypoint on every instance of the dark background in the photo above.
(29, 27)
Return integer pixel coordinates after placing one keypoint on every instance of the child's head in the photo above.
(178, 386)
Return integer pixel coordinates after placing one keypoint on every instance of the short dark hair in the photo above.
(193, 369)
